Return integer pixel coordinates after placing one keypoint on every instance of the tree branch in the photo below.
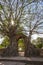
(13, 2)
(28, 3)
(38, 32)
(37, 24)
(16, 9)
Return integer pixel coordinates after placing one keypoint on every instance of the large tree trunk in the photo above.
(13, 46)
(11, 50)
(28, 43)
(30, 48)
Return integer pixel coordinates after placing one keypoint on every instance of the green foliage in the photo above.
(5, 42)
(0, 7)
(1, 46)
(38, 42)
(39, 45)
(29, 1)
(21, 44)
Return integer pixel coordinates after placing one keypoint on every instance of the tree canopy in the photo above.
(24, 16)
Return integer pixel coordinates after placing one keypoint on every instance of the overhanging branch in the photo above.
(38, 32)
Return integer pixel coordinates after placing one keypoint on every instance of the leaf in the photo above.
(28, 1)
(0, 6)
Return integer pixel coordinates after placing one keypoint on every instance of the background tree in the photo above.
(33, 21)
(38, 42)
(11, 13)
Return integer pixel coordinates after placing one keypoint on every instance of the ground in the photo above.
(21, 61)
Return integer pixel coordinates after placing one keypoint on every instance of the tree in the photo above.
(39, 42)
(33, 21)
(11, 13)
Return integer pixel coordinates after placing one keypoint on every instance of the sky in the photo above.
(1, 39)
(35, 36)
